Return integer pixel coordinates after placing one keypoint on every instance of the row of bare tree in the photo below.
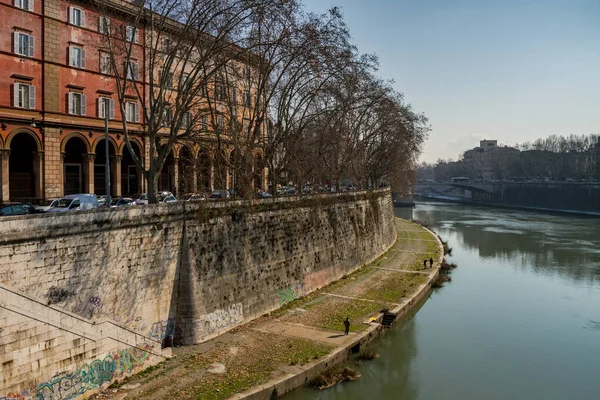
(262, 84)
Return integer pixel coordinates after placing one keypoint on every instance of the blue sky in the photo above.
(511, 70)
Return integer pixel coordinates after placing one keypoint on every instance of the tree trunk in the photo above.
(152, 185)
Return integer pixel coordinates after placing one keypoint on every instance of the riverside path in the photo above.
(253, 360)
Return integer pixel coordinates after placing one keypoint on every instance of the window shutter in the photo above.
(72, 56)
(16, 90)
(83, 107)
(82, 13)
(15, 42)
(30, 5)
(135, 35)
(32, 97)
(136, 71)
(31, 48)
(71, 16)
(17, 3)
(100, 105)
(82, 60)
(70, 100)
(137, 112)
(111, 104)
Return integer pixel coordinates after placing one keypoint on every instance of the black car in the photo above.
(13, 209)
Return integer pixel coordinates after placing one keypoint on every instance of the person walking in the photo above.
(346, 326)
(431, 263)
(424, 263)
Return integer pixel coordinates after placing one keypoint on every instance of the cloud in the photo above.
(436, 148)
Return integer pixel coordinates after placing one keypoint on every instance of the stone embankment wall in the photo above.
(88, 297)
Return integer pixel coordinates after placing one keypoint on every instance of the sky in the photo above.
(511, 70)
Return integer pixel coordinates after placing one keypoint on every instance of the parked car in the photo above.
(121, 202)
(166, 198)
(143, 199)
(75, 202)
(13, 209)
(219, 194)
(194, 197)
(48, 204)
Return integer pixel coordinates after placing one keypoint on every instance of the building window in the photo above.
(246, 73)
(24, 95)
(203, 91)
(133, 71)
(24, 4)
(234, 95)
(183, 80)
(104, 25)
(247, 98)
(23, 44)
(132, 34)
(102, 108)
(186, 120)
(220, 122)
(77, 103)
(167, 117)
(166, 78)
(219, 91)
(105, 64)
(132, 111)
(167, 45)
(204, 121)
(77, 57)
(76, 16)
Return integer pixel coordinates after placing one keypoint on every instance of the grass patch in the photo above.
(331, 377)
(395, 287)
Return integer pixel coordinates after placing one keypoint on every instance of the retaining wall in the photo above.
(182, 272)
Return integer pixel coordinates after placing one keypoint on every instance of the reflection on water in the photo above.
(521, 319)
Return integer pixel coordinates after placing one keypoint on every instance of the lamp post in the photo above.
(107, 159)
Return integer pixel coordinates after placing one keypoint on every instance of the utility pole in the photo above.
(107, 159)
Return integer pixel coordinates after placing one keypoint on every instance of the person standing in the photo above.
(431, 263)
(346, 326)
(424, 263)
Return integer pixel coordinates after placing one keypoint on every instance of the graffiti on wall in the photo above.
(286, 295)
(162, 329)
(210, 323)
(93, 375)
(24, 395)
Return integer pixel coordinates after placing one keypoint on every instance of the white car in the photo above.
(75, 202)
(46, 206)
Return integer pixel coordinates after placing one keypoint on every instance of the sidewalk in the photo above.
(308, 329)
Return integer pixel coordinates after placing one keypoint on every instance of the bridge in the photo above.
(582, 196)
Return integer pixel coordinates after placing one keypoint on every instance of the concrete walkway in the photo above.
(298, 339)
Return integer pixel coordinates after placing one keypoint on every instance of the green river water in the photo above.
(520, 319)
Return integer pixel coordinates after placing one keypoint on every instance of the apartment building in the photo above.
(54, 93)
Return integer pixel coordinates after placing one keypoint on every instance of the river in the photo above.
(520, 319)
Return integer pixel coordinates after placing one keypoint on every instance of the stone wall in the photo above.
(182, 272)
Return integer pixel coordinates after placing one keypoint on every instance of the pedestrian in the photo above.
(346, 326)
(424, 263)
(431, 263)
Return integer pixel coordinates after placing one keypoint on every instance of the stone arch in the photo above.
(78, 171)
(131, 176)
(204, 163)
(71, 135)
(24, 165)
(122, 149)
(17, 131)
(101, 163)
(111, 140)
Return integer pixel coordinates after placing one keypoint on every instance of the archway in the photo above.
(166, 182)
(100, 168)
(23, 168)
(258, 172)
(203, 167)
(130, 175)
(186, 171)
(220, 170)
(76, 177)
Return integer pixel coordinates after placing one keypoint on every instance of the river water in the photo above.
(520, 319)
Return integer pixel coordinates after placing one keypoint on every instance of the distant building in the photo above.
(489, 161)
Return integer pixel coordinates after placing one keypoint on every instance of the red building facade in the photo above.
(52, 93)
